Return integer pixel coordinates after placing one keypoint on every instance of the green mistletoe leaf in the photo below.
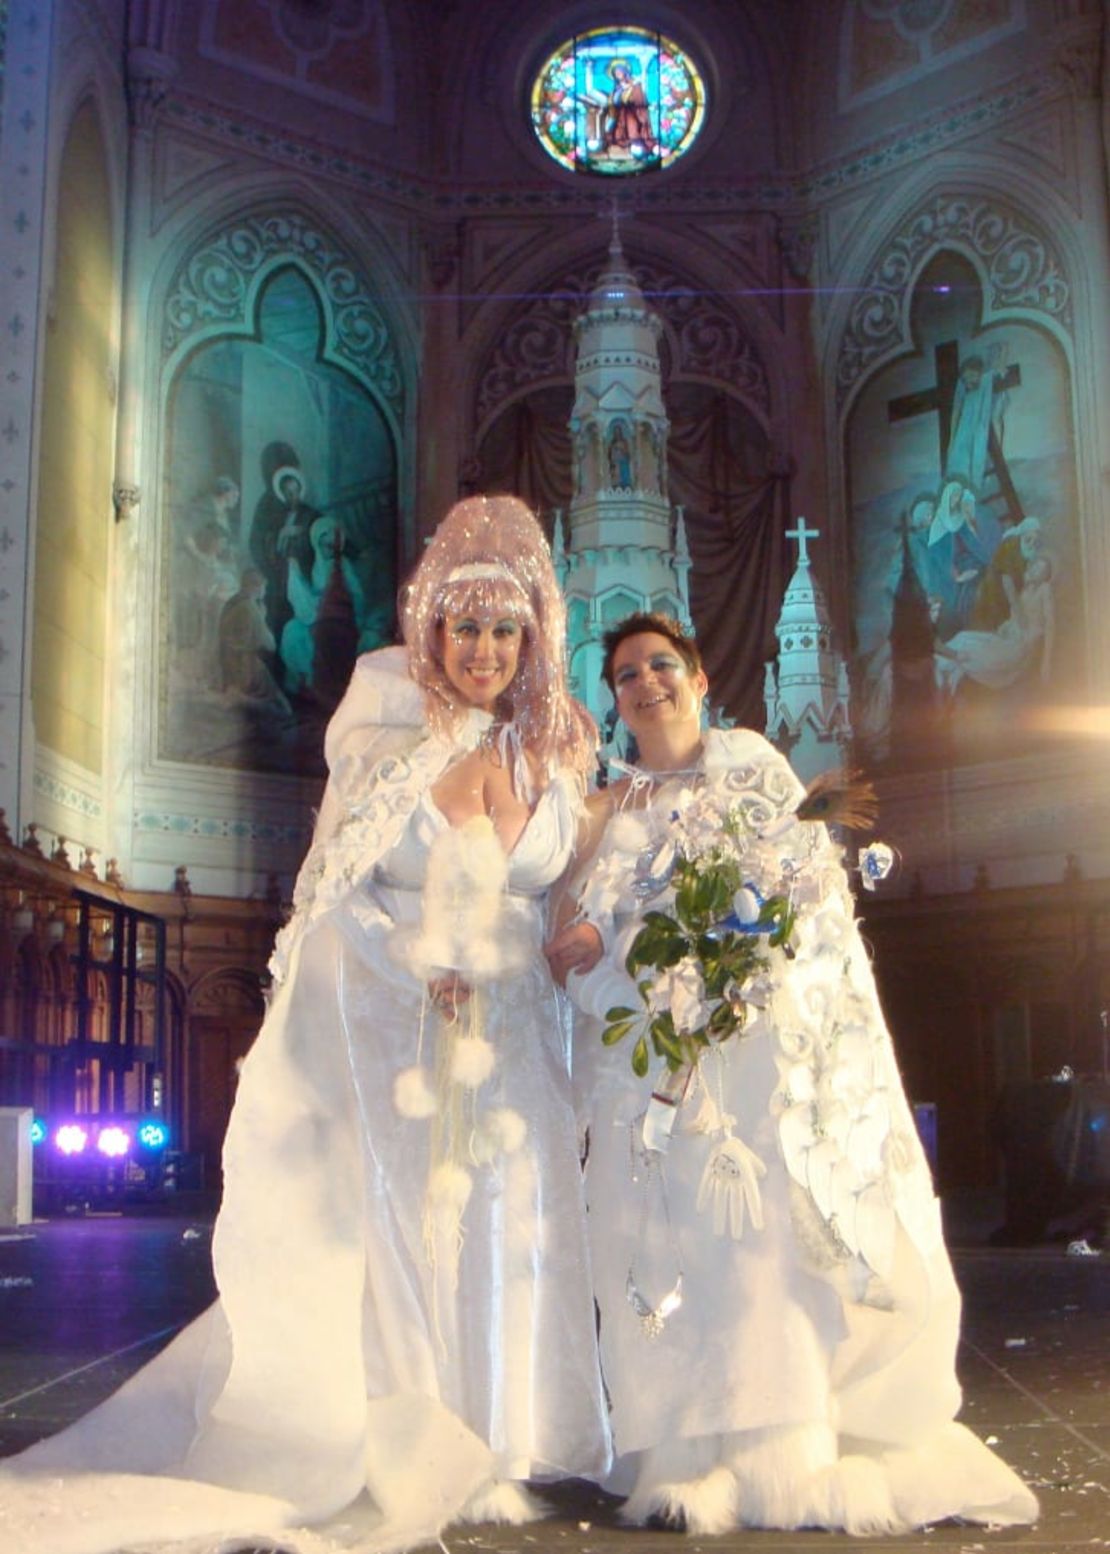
(722, 1022)
(640, 1058)
(778, 915)
(666, 1041)
(617, 1031)
(660, 943)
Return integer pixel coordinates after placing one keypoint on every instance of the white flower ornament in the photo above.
(876, 862)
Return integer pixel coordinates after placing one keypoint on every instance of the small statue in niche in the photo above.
(620, 460)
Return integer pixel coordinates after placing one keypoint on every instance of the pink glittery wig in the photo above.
(490, 554)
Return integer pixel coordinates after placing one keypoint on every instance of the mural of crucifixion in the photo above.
(957, 381)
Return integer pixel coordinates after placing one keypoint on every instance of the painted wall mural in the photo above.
(279, 555)
(965, 553)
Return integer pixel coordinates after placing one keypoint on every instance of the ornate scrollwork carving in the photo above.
(213, 284)
(537, 345)
(713, 344)
(225, 992)
(1023, 270)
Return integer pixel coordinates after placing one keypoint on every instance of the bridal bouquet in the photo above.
(695, 959)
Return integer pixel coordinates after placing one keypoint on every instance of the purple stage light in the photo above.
(113, 1141)
(71, 1139)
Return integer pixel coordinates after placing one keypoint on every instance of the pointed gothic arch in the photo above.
(1020, 264)
(955, 405)
(284, 406)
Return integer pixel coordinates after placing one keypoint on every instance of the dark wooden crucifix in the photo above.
(941, 397)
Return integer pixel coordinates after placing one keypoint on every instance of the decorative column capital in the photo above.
(1081, 66)
(798, 242)
(149, 73)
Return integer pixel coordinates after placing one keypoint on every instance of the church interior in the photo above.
(787, 317)
(807, 344)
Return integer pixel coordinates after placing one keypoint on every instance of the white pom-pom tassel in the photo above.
(473, 1060)
(449, 1189)
(500, 1132)
(413, 1095)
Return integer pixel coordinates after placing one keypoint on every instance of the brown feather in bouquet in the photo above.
(840, 798)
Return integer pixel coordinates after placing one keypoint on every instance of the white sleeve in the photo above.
(381, 708)
(605, 987)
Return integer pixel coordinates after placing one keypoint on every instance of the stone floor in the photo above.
(85, 1301)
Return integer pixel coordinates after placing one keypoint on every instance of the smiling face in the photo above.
(654, 688)
(481, 654)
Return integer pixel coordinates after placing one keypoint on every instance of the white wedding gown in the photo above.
(362, 1374)
(807, 1374)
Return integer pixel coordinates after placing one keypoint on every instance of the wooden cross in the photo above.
(802, 534)
(941, 397)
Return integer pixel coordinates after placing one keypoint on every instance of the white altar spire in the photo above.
(625, 549)
(806, 691)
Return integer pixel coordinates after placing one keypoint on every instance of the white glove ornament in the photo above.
(730, 1185)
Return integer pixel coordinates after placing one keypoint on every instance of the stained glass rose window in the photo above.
(618, 100)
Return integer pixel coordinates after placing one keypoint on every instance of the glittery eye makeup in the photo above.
(658, 663)
(468, 628)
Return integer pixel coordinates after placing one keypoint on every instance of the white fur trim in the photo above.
(783, 1475)
(500, 1500)
(706, 1504)
(860, 1499)
(627, 832)
(413, 1095)
(464, 923)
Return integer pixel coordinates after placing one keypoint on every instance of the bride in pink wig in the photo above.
(404, 1330)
